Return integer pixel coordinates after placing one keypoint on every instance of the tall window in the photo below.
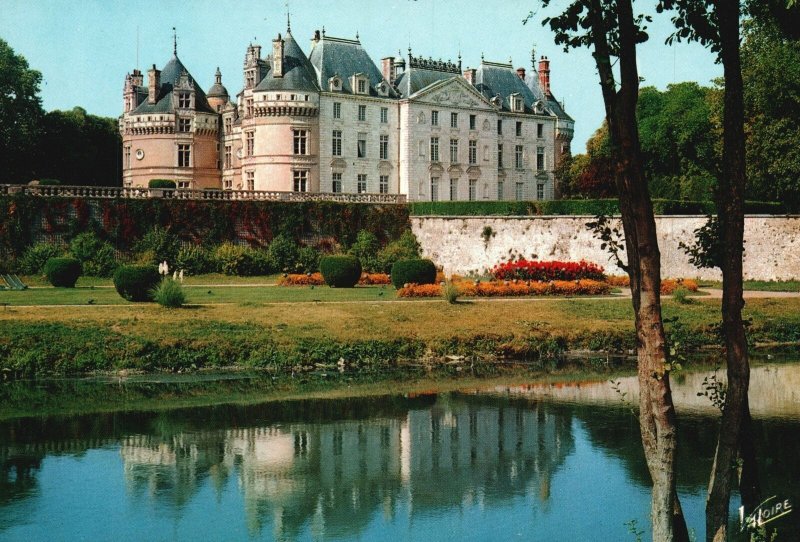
(473, 152)
(453, 120)
(383, 185)
(248, 107)
(362, 86)
(337, 183)
(228, 156)
(473, 121)
(228, 125)
(499, 190)
(337, 110)
(434, 188)
(539, 130)
(362, 183)
(250, 180)
(184, 100)
(518, 157)
(539, 191)
(249, 143)
(300, 180)
(362, 112)
(434, 118)
(300, 142)
(336, 143)
(499, 126)
(499, 156)
(473, 189)
(453, 189)
(184, 125)
(184, 156)
(362, 145)
(434, 149)
(127, 161)
(519, 128)
(384, 115)
(454, 151)
(384, 147)
(540, 158)
(519, 192)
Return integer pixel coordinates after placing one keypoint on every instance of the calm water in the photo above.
(518, 463)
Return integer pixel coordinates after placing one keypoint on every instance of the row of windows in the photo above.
(361, 145)
(362, 112)
(519, 190)
(473, 154)
(518, 128)
(361, 183)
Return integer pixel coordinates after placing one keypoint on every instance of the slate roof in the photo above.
(298, 73)
(218, 90)
(493, 79)
(532, 80)
(169, 76)
(335, 56)
(414, 80)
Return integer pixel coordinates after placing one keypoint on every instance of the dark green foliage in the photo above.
(96, 256)
(706, 251)
(169, 293)
(341, 271)
(49, 182)
(194, 260)
(136, 282)
(284, 253)
(417, 271)
(405, 248)
(33, 260)
(242, 261)
(308, 260)
(366, 250)
(159, 244)
(161, 183)
(62, 272)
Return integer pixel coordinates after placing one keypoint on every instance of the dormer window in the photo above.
(383, 89)
(516, 102)
(335, 83)
(360, 84)
(538, 106)
(184, 100)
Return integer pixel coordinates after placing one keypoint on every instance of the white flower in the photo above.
(175, 275)
(180, 276)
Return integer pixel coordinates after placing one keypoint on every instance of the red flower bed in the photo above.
(547, 271)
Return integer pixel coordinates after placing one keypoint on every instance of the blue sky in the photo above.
(84, 48)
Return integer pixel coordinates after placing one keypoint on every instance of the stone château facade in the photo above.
(334, 122)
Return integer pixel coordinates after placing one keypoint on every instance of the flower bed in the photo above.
(510, 288)
(547, 271)
(315, 279)
(668, 286)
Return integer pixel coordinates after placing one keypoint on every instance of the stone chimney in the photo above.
(544, 75)
(316, 38)
(469, 75)
(153, 84)
(277, 57)
(521, 73)
(387, 69)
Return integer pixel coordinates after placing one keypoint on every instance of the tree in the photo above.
(610, 28)
(20, 115)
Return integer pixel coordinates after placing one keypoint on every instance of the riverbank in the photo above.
(368, 340)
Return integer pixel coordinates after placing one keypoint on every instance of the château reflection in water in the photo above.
(323, 469)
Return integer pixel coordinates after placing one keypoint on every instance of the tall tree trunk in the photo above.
(730, 208)
(656, 411)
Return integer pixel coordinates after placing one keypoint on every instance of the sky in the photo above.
(84, 48)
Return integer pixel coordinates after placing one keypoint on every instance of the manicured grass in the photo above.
(759, 285)
(206, 279)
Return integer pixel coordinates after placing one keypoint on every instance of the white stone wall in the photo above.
(772, 244)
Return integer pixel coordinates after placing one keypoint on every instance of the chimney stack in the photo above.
(153, 84)
(469, 75)
(521, 73)
(544, 75)
(387, 69)
(277, 57)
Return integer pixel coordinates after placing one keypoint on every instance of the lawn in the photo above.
(759, 285)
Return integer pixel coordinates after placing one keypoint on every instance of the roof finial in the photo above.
(481, 57)
(288, 19)
(218, 76)
(356, 35)
(174, 42)
(533, 56)
(323, 31)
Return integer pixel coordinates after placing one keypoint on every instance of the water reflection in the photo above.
(409, 467)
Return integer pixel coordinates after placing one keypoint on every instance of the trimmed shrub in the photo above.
(161, 243)
(96, 256)
(169, 293)
(416, 271)
(36, 256)
(161, 183)
(340, 271)
(366, 250)
(62, 272)
(404, 248)
(136, 282)
(284, 253)
(194, 260)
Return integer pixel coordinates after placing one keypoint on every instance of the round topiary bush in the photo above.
(416, 271)
(161, 183)
(135, 282)
(63, 272)
(340, 271)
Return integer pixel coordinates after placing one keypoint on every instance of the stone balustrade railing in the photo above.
(109, 192)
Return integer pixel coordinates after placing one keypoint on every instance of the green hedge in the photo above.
(590, 207)
(416, 271)
(62, 272)
(340, 271)
(136, 282)
(161, 183)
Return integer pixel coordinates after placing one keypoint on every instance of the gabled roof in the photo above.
(453, 80)
(298, 73)
(414, 80)
(493, 79)
(170, 75)
(336, 56)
